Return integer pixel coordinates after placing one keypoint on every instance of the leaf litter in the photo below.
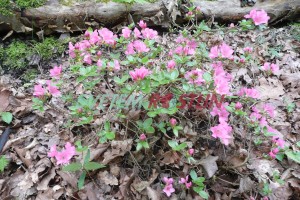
(32, 175)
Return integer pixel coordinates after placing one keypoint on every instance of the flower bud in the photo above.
(173, 122)
(238, 106)
(191, 151)
(143, 137)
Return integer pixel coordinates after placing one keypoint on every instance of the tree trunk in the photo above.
(55, 17)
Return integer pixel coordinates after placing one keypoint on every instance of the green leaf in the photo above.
(295, 156)
(148, 122)
(172, 144)
(193, 174)
(203, 194)
(139, 146)
(80, 183)
(93, 166)
(110, 135)
(107, 126)
(207, 77)
(87, 157)
(6, 117)
(174, 74)
(73, 167)
(3, 163)
(280, 156)
(298, 144)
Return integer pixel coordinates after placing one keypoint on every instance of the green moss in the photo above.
(15, 55)
(30, 74)
(30, 3)
(5, 7)
(48, 48)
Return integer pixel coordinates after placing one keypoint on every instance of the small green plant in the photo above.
(48, 48)
(6, 117)
(3, 163)
(198, 181)
(106, 134)
(30, 74)
(5, 7)
(175, 146)
(16, 55)
(146, 126)
(291, 107)
(84, 167)
(30, 3)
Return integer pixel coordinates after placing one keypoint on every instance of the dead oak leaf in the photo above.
(108, 178)
(270, 91)
(119, 148)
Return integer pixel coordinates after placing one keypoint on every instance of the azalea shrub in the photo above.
(133, 63)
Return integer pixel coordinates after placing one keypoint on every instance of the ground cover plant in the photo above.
(133, 115)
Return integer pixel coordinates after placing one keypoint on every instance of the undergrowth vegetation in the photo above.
(18, 54)
(189, 97)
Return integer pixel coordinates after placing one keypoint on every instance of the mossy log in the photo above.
(54, 17)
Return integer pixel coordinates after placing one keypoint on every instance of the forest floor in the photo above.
(240, 170)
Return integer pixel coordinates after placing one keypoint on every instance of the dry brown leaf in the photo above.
(209, 164)
(119, 148)
(108, 178)
(153, 194)
(44, 183)
(4, 99)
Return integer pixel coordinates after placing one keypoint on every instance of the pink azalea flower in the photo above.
(269, 109)
(99, 53)
(137, 33)
(278, 141)
(214, 52)
(149, 33)
(221, 112)
(169, 190)
(226, 51)
(185, 181)
(143, 137)
(222, 131)
(198, 9)
(94, 37)
(108, 37)
(173, 122)
(64, 156)
(249, 92)
(99, 63)
(142, 24)
(130, 49)
(87, 34)
(56, 71)
(39, 90)
(258, 17)
(231, 25)
(87, 59)
(53, 152)
(71, 50)
(194, 77)
(274, 68)
(263, 122)
(191, 151)
(171, 64)
(126, 32)
(272, 155)
(248, 49)
(116, 66)
(168, 181)
(140, 46)
(221, 79)
(139, 74)
(53, 90)
(238, 106)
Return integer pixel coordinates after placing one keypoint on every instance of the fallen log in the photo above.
(55, 17)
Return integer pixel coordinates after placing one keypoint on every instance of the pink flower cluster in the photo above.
(194, 77)
(139, 74)
(186, 46)
(249, 92)
(223, 50)
(40, 91)
(221, 79)
(169, 186)
(223, 130)
(270, 67)
(185, 181)
(258, 17)
(136, 46)
(64, 156)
